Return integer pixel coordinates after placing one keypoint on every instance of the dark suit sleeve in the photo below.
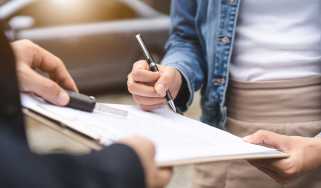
(116, 166)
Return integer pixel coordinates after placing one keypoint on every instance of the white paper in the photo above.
(176, 137)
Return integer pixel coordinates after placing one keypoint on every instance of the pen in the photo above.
(153, 67)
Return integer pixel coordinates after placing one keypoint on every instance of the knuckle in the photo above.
(130, 85)
(140, 64)
(261, 133)
(60, 62)
(22, 44)
(137, 64)
(290, 172)
(129, 76)
(25, 42)
(135, 74)
(143, 62)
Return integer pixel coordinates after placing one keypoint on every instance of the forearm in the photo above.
(117, 166)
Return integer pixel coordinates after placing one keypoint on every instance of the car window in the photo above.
(68, 12)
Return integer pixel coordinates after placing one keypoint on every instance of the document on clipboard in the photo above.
(178, 139)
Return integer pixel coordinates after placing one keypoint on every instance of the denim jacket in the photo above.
(200, 47)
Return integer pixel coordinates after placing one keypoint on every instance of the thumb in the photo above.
(164, 176)
(163, 84)
(266, 138)
(46, 88)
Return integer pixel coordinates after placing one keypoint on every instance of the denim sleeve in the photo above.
(183, 49)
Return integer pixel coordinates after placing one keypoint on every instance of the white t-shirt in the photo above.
(277, 39)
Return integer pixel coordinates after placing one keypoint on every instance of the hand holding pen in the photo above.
(151, 89)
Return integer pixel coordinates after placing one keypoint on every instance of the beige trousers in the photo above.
(291, 107)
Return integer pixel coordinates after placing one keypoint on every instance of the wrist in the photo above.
(311, 154)
(317, 142)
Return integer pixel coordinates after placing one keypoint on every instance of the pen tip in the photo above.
(172, 105)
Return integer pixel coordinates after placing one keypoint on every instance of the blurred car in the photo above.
(95, 38)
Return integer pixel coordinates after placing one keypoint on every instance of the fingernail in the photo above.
(160, 89)
(63, 98)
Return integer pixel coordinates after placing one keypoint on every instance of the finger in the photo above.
(44, 87)
(163, 83)
(284, 167)
(140, 65)
(150, 107)
(145, 76)
(163, 178)
(148, 101)
(267, 138)
(141, 89)
(56, 69)
(150, 147)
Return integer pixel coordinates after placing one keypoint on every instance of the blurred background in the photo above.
(96, 40)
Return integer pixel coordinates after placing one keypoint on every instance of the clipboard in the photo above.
(59, 127)
(96, 144)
